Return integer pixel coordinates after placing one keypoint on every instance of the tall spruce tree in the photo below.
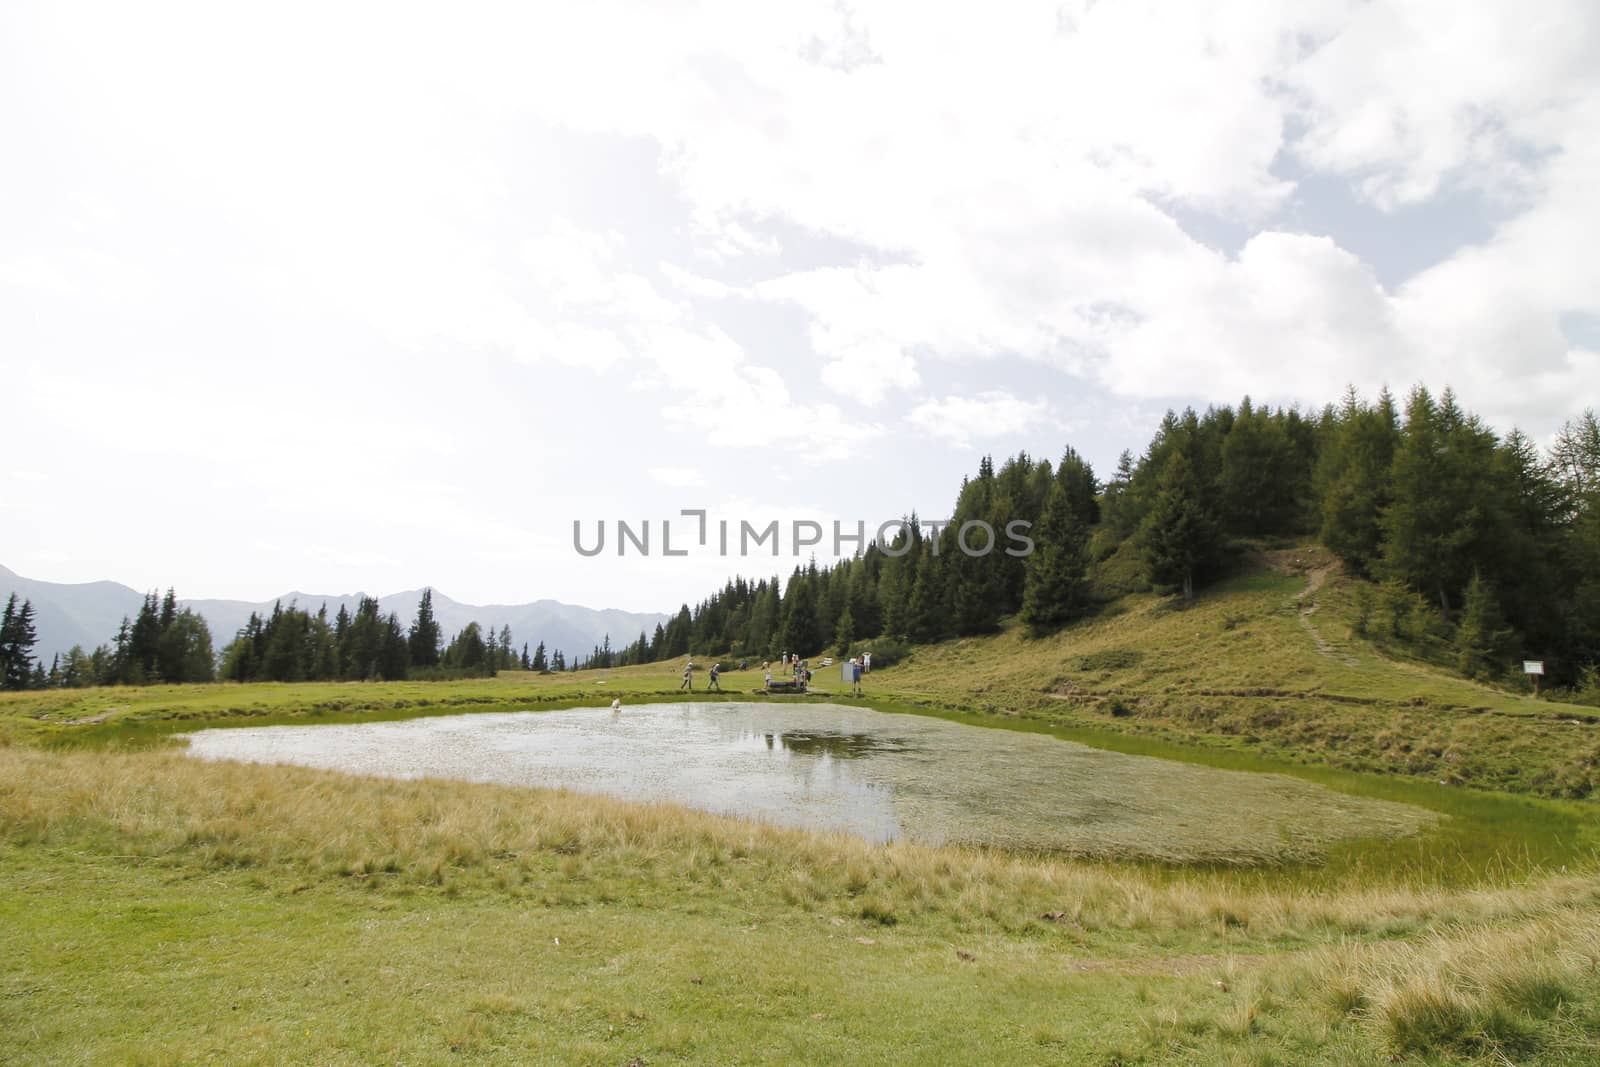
(1483, 643)
(1353, 478)
(928, 613)
(1057, 590)
(1180, 538)
(425, 637)
(17, 638)
(800, 634)
(1444, 520)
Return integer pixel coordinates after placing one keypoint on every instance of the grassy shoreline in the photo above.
(1488, 836)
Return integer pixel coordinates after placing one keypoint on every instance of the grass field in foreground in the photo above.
(166, 910)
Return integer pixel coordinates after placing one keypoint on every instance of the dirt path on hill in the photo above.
(1315, 580)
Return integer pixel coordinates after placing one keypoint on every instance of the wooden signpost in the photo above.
(1534, 668)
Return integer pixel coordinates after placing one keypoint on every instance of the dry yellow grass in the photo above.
(158, 804)
(1227, 966)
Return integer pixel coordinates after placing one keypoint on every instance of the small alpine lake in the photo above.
(880, 776)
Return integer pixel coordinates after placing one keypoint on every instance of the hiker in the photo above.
(769, 679)
(688, 676)
(855, 676)
(716, 668)
(866, 663)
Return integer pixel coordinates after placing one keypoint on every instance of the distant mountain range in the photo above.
(89, 613)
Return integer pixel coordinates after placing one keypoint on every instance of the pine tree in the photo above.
(324, 647)
(7, 629)
(1117, 506)
(1260, 482)
(1077, 480)
(394, 658)
(800, 634)
(1441, 525)
(362, 650)
(1057, 590)
(928, 612)
(424, 637)
(1180, 538)
(765, 620)
(17, 638)
(898, 582)
(1482, 640)
(1353, 476)
(974, 585)
(185, 650)
(468, 650)
(144, 644)
(540, 663)
(845, 633)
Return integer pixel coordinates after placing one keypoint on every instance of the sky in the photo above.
(336, 296)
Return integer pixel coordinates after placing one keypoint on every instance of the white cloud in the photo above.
(993, 413)
(1403, 97)
(407, 241)
(869, 371)
(695, 284)
(678, 477)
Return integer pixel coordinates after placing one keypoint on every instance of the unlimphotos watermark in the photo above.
(727, 537)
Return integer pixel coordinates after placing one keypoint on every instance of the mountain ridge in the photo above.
(88, 614)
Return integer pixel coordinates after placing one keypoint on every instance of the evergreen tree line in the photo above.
(161, 644)
(1478, 541)
(1494, 542)
(295, 645)
(165, 644)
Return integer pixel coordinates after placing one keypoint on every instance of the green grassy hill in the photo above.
(164, 910)
(1269, 662)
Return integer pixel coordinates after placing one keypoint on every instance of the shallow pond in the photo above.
(877, 775)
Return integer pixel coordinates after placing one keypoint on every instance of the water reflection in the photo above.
(830, 743)
(827, 767)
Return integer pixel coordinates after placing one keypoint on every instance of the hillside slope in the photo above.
(1266, 661)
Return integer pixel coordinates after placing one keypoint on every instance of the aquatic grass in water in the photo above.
(881, 777)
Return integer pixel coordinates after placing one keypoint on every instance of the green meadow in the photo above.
(164, 910)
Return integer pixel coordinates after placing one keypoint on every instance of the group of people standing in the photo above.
(801, 669)
(713, 685)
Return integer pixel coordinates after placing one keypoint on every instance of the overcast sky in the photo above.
(338, 297)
